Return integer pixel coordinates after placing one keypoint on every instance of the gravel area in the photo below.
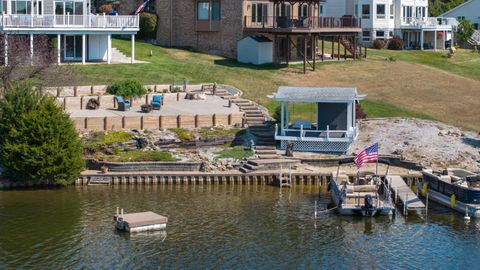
(431, 143)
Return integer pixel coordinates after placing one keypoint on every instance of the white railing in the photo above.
(312, 134)
(429, 22)
(74, 21)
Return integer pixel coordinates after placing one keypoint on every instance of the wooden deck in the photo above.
(404, 193)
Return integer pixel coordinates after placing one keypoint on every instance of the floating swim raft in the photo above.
(140, 222)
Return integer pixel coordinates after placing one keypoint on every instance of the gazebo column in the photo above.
(443, 39)
(59, 48)
(31, 49)
(435, 40)
(282, 115)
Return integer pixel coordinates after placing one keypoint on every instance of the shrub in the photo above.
(105, 8)
(359, 113)
(396, 43)
(41, 145)
(127, 89)
(378, 44)
(465, 30)
(148, 25)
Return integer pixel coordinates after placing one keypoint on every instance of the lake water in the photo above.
(223, 227)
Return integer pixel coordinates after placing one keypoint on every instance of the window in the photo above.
(391, 11)
(39, 7)
(365, 11)
(259, 12)
(4, 6)
(381, 11)
(283, 10)
(21, 7)
(380, 34)
(355, 12)
(203, 10)
(321, 10)
(366, 35)
(461, 18)
(390, 33)
(215, 10)
(303, 11)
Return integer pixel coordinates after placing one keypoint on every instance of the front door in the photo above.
(72, 47)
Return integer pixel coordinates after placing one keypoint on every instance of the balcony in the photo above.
(279, 24)
(429, 23)
(65, 22)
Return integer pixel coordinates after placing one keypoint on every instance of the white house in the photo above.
(383, 19)
(470, 10)
(80, 35)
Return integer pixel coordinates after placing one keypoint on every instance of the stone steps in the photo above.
(266, 152)
(268, 156)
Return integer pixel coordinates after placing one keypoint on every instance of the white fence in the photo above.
(73, 21)
(430, 22)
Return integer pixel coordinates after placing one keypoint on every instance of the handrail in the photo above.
(298, 22)
(67, 20)
(429, 21)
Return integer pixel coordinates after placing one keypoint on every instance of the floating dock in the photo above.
(140, 222)
(404, 193)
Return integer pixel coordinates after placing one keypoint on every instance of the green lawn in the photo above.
(236, 152)
(401, 88)
(465, 62)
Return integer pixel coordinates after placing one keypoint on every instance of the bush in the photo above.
(127, 89)
(359, 113)
(148, 25)
(378, 44)
(396, 43)
(41, 144)
(465, 30)
(105, 8)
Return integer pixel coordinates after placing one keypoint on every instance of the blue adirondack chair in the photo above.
(156, 102)
(123, 105)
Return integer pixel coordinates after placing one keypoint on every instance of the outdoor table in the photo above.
(146, 108)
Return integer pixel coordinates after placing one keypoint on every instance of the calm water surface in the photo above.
(223, 227)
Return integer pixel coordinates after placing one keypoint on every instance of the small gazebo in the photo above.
(334, 128)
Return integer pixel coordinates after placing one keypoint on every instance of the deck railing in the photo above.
(313, 134)
(428, 22)
(74, 21)
(284, 22)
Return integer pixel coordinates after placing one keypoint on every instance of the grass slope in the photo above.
(419, 84)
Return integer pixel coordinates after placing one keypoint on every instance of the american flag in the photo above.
(367, 155)
(141, 7)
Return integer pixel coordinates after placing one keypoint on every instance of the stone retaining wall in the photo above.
(79, 91)
(109, 102)
(156, 122)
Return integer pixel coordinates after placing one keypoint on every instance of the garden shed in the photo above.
(257, 50)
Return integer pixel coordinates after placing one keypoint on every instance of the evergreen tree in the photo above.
(38, 140)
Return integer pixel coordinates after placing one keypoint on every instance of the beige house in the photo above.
(294, 27)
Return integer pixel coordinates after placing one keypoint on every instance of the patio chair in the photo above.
(156, 102)
(123, 105)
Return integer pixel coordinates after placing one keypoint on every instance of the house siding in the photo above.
(177, 23)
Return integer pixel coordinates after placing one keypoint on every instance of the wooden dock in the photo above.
(139, 222)
(404, 193)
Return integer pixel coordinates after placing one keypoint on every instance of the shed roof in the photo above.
(317, 94)
(258, 38)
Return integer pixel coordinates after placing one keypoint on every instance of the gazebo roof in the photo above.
(317, 94)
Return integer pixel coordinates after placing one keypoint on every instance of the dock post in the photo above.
(315, 209)
(405, 205)
(396, 195)
(426, 208)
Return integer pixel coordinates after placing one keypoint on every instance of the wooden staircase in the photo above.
(474, 40)
(349, 45)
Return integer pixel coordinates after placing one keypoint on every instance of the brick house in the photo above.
(215, 26)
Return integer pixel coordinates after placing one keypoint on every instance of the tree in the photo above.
(148, 25)
(18, 65)
(465, 30)
(127, 89)
(41, 145)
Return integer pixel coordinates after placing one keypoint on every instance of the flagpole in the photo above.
(378, 156)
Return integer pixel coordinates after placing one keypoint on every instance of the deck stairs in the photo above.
(474, 40)
(349, 45)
